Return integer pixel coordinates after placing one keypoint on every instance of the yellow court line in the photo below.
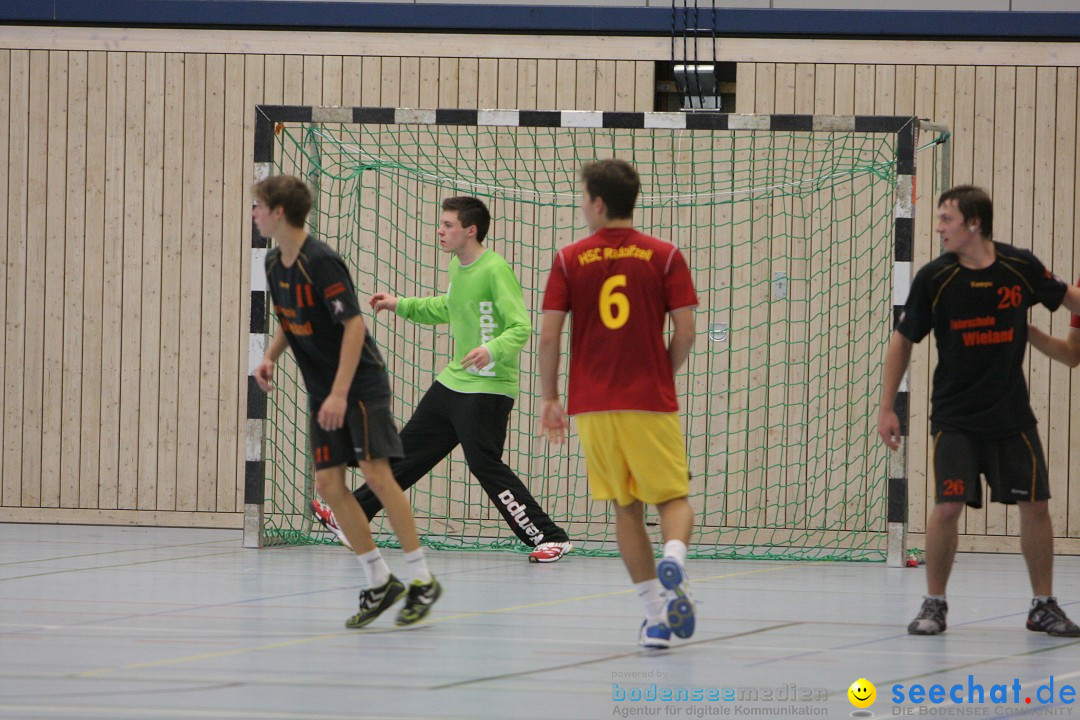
(440, 619)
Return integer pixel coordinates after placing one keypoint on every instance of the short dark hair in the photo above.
(287, 192)
(617, 182)
(972, 202)
(470, 211)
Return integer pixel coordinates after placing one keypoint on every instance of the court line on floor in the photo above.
(140, 548)
(434, 621)
(184, 608)
(120, 565)
(963, 666)
(595, 661)
(897, 636)
(83, 711)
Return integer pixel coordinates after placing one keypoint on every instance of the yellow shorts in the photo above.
(634, 456)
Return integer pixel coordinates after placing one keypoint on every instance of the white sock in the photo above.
(651, 593)
(936, 597)
(676, 549)
(417, 567)
(375, 568)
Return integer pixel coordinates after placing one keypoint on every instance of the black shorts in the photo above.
(369, 433)
(1014, 467)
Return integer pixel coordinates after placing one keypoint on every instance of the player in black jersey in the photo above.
(349, 393)
(975, 299)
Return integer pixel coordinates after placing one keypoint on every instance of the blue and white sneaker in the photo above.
(680, 609)
(654, 637)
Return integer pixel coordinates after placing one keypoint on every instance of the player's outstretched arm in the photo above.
(897, 358)
(426, 310)
(383, 301)
(1065, 350)
(1072, 299)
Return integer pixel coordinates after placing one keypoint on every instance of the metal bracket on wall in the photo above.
(779, 285)
(718, 331)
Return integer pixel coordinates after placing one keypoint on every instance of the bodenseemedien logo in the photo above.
(706, 701)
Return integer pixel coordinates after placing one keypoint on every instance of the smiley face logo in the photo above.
(862, 693)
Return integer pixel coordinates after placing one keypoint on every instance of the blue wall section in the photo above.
(544, 18)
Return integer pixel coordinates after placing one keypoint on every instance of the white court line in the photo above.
(86, 711)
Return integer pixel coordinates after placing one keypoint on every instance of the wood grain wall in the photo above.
(125, 162)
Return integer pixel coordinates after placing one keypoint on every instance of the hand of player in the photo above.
(553, 421)
(478, 357)
(332, 413)
(888, 427)
(383, 301)
(264, 375)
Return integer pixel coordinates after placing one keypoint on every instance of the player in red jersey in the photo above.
(621, 285)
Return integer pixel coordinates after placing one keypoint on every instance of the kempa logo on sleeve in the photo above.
(488, 326)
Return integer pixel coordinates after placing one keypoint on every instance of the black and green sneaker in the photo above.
(373, 601)
(418, 604)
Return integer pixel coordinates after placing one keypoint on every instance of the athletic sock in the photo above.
(375, 568)
(676, 549)
(651, 593)
(417, 567)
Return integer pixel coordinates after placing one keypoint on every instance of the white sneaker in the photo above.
(681, 608)
(654, 637)
(549, 552)
(326, 518)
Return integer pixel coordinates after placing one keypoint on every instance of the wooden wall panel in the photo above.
(125, 265)
(55, 232)
(17, 142)
(1056, 432)
(72, 330)
(211, 340)
(33, 358)
(130, 285)
(169, 387)
(153, 274)
(94, 269)
(232, 347)
(5, 124)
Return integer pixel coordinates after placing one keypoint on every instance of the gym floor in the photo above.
(107, 622)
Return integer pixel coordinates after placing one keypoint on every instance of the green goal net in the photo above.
(790, 239)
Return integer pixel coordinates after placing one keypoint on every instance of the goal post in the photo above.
(798, 230)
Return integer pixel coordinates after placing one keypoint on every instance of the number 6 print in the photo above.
(614, 306)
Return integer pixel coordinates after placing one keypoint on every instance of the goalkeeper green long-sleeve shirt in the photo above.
(484, 306)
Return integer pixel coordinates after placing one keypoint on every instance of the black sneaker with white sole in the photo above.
(1048, 617)
(931, 618)
(375, 601)
(418, 604)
